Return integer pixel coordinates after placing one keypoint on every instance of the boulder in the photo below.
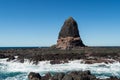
(46, 77)
(69, 35)
(79, 75)
(74, 75)
(34, 76)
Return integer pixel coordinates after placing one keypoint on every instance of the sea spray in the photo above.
(15, 70)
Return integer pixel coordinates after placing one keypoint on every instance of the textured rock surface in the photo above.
(74, 75)
(69, 35)
(69, 29)
(34, 76)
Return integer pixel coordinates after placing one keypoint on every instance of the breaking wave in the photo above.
(15, 70)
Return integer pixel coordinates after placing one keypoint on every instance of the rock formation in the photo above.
(69, 35)
(74, 75)
(34, 76)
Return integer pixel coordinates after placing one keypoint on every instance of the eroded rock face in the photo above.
(69, 35)
(69, 29)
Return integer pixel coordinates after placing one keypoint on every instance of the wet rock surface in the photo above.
(88, 55)
(11, 58)
(58, 61)
(34, 76)
(3, 56)
(74, 75)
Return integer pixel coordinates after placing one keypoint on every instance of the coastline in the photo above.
(88, 54)
(100, 71)
(54, 56)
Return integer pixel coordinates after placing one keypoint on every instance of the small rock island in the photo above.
(69, 35)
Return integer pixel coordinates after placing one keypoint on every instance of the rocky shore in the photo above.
(74, 75)
(89, 55)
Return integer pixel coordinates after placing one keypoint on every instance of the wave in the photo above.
(15, 70)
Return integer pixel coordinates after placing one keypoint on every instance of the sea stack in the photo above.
(69, 35)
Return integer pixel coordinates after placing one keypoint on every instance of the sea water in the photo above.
(15, 70)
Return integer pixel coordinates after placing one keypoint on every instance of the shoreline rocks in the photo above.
(58, 61)
(63, 58)
(88, 54)
(34, 76)
(74, 75)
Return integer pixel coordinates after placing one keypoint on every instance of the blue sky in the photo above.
(38, 22)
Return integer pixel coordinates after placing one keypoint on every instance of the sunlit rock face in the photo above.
(69, 35)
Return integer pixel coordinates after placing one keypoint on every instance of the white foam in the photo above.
(45, 66)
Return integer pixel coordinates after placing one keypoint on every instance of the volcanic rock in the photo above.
(34, 76)
(69, 35)
(11, 58)
(74, 75)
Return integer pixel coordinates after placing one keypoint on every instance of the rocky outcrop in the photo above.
(74, 75)
(11, 58)
(3, 56)
(89, 55)
(98, 60)
(69, 28)
(69, 35)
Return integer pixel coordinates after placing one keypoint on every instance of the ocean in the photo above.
(14, 70)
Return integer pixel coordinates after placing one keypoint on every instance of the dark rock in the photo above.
(58, 76)
(87, 72)
(47, 77)
(34, 76)
(69, 35)
(79, 75)
(11, 58)
(20, 59)
(69, 29)
(58, 61)
(55, 62)
(3, 56)
(67, 77)
(35, 62)
(99, 60)
(74, 75)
